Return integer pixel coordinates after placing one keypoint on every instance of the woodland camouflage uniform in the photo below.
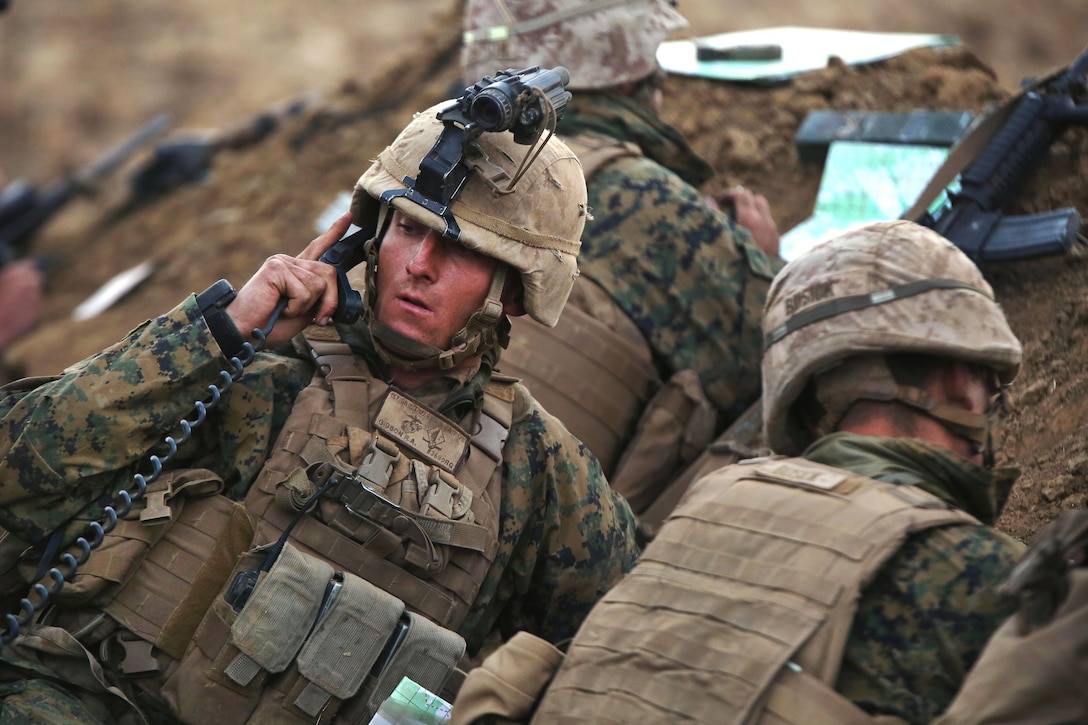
(560, 523)
(693, 282)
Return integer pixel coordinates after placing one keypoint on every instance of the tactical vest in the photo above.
(371, 584)
(740, 609)
(425, 528)
(594, 371)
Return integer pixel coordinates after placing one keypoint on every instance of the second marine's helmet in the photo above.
(881, 289)
(603, 43)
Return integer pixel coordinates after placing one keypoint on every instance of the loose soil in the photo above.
(264, 198)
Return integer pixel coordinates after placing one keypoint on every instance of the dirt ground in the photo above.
(265, 198)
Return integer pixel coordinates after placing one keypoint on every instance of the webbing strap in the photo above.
(273, 625)
(112, 565)
(191, 483)
(469, 215)
(842, 305)
(966, 423)
(428, 654)
(346, 643)
(315, 452)
(479, 471)
(361, 501)
(343, 372)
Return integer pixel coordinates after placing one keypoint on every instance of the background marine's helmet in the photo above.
(603, 43)
(888, 287)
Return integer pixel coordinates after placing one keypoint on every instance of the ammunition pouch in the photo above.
(309, 643)
(123, 550)
(675, 426)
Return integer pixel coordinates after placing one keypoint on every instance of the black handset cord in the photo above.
(122, 503)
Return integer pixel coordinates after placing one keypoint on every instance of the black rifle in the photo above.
(1014, 140)
(24, 210)
(187, 157)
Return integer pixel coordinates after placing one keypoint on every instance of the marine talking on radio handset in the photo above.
(521, 102)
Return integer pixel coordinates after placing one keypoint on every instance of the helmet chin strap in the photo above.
(482, 331)
(874, 381)
(963, 423)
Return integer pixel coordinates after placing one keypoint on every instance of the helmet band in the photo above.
(842, 305)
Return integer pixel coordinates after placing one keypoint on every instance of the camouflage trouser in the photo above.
(44, 701)
(47, 677)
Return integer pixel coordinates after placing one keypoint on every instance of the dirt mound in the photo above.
(266, 198)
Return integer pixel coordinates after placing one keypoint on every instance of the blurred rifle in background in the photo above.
(24, 209)
(992, 163)
(188, 157)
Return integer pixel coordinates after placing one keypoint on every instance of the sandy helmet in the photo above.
(603, 43)
(526, 211)
(888, 287)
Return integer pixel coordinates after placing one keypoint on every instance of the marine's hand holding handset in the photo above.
(524, 102)
(347, 253)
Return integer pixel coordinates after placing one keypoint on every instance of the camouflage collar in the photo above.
(907, 461)
(623, 118)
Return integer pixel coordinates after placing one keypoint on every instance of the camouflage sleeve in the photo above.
(692, 281)
(565, 537)
(72, 439)
(923, 621)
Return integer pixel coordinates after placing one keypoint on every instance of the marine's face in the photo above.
(428, 285)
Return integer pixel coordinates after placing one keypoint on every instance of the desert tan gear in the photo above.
(310, 644)
(506, 687)
(594, 377)
(424, 534)
(353, 621)
(411, 554)
(742, 439)
(752, 584)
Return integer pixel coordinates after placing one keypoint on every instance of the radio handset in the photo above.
(344, 255)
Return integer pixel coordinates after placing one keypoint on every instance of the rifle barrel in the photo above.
(117, 155)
